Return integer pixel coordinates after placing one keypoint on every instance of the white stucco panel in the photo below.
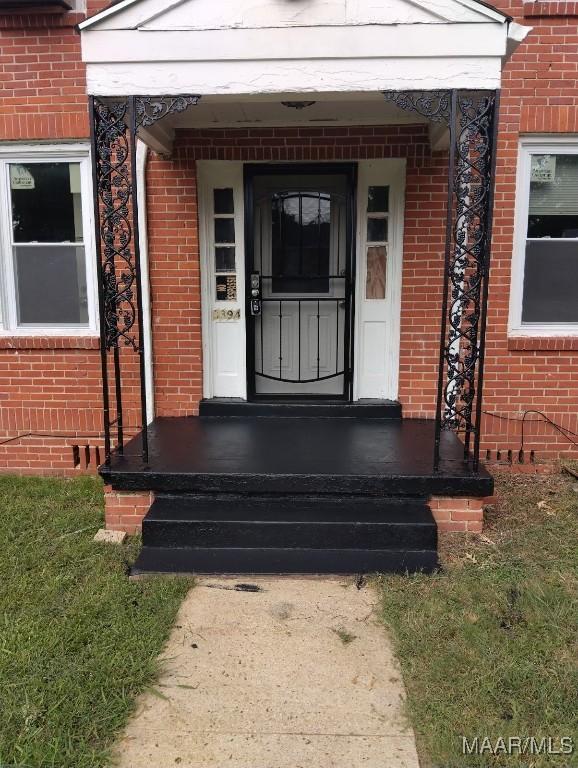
(212, 14)
(304, 43)
(271, 77)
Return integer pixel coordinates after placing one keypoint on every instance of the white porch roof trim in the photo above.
(260, 47)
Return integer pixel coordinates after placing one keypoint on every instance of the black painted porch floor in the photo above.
(296, 455)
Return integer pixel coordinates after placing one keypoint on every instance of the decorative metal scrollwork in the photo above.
(471, 118)
(434, 105)
(150, 109)
(468, 265)
(114, 191)
(115, 124)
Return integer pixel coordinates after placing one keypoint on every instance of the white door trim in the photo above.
(141, 162)
(223, 338)
(387, 312)
(217, 173)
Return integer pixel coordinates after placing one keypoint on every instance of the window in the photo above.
(46, 270)
(545, 275)
(376, 242)
(224, 240)
(301, 241)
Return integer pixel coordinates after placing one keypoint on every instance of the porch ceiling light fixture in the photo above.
(298, 104)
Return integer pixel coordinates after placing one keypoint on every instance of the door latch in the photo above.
(255, 293)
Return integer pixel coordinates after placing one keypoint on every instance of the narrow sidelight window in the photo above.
(376, 242)
(224, 239)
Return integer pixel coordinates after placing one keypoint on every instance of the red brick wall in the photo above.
(50, 392)
(175, 284)
(539, 95)
(52, 386)
(42, 79)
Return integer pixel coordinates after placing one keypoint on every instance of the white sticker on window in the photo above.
(543, 168)
(20, 177)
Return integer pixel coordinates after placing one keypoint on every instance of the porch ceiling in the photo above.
(269, 110)
(207, 47)
(327, 109)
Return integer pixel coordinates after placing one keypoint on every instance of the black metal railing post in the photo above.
(463, 323)
(133, 122)
(95, 130)
(472, 118)
(112, 188)
(452, 118)
(115, 124)
(493, 132)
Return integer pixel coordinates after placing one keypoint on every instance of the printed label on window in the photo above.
(226, 287)
(21, 177)
(543, 168)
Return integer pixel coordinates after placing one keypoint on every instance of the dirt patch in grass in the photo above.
(489, 646)
(78, 640)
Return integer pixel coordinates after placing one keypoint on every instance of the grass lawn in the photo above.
(78, 640)
(489, 647)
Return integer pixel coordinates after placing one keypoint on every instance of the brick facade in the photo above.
(51, 387)
(539, 95)
(124, 510)
(458, 515)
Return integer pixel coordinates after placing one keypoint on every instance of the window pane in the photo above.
(225, 259)
(301, 235)
(223, 201)
(51, 285)
(378, 200)
(550, 282)
(46, 202)
(553, 208)
(376, 230)
(224, 230)
(553, 226)
(376, 265)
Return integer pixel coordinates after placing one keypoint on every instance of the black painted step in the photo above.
(310, 522)
(236, 408)
(188, 560)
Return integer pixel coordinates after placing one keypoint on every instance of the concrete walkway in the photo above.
(296, 674)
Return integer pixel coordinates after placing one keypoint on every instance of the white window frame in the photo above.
(45, 153)
(390, 172)
(532, 145)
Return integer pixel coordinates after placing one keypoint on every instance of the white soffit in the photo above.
(293, 46)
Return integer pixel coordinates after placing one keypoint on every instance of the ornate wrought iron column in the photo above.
(115, 125)
(472, 119)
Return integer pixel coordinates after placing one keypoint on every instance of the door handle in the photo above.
(255, 293)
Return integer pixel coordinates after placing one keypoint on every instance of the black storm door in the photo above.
(299, 280)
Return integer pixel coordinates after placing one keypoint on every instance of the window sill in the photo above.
(543, 343)
(49, 342)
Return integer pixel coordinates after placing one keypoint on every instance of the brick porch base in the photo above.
(458, 513)
(124, 510)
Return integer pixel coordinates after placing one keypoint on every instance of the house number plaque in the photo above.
(226, 314)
